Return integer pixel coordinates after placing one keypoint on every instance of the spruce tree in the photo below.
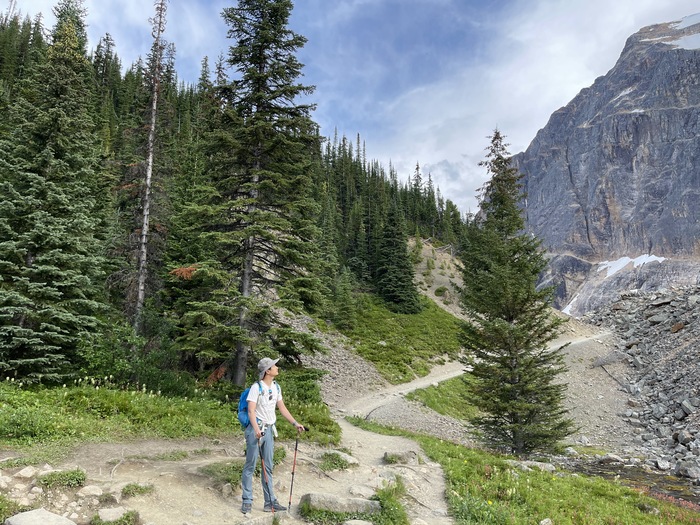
(395, 270)
(510, 322)
(262, 163)
(50, 215)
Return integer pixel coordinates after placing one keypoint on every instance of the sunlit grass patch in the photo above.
(448, 398)
(404, 346)
(483, 489)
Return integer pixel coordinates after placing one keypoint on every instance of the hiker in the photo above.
(260, 434)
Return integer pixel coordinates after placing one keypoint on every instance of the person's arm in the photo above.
(254, 419)
(288, 416)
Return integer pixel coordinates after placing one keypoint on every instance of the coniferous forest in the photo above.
(150, 225)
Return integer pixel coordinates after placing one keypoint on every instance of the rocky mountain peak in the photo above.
(615, 173)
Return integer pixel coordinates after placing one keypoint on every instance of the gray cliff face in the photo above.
(616, 172)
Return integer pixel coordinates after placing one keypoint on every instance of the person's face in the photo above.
(273, 371)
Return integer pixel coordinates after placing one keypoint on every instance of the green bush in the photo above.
(333, 461)
(136, 489)
(440, 291)
(63, 478)
(130, 518)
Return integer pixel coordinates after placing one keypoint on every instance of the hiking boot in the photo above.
(275, 506)
(246, 508)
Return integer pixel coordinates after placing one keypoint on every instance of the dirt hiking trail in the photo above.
(184, 496)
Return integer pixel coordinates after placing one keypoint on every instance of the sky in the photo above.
(421, 81)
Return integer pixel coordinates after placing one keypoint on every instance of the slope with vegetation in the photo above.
(253, 221)
(150, 241)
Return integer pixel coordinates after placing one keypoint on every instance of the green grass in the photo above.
(226, 472)
(85, 413)
(483, 489)
(43, 424)
(136, 489)
(63, 478)
(333, 461)
(130, 518)
(173, 455)
(302, 396)
(232, 471)
(8, 508)
(404, 346)
(449, 398)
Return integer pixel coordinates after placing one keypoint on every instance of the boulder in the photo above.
(38, 517)
(333, 503)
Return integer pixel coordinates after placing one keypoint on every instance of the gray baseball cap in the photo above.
(265, 364)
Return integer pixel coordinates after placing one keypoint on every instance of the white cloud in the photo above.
(539, 57)
(507, 64)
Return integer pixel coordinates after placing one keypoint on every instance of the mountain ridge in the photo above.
(614, 172)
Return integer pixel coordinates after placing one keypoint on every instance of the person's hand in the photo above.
(299, 427)
(259, 433)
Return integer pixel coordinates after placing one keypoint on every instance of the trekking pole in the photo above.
(267, 481)
(294, 466)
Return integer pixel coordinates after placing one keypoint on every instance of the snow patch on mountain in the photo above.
(615, 266)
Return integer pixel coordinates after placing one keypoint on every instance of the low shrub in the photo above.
(136, 489)
(130, 518)
(222, 473)
(63, 478)
(333, 461)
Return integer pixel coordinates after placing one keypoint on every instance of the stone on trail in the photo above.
(38, 517)
(333, 503)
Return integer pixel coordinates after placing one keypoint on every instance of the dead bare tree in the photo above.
(158, 23)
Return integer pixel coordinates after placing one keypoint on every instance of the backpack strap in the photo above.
(279, 392)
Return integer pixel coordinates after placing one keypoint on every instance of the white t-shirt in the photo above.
(266, 403)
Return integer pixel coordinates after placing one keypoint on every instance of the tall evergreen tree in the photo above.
(50, 264)
(267, 214)
(395, 270)
(510, 322)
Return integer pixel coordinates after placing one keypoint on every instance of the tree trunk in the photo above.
(243, 347)
(158, 28)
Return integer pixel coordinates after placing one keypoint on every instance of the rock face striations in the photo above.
(616, 172)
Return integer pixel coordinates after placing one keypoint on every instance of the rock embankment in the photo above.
(660, 339)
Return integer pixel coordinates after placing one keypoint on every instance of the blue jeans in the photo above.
(267, 442)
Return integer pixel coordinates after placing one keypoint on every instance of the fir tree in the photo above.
(263, 159)
(344, 315)
(510, 321)
(395, 269)
(50, 264)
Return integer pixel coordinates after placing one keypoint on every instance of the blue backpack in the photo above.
(243, 417)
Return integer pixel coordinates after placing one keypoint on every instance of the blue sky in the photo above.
(420, 80)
